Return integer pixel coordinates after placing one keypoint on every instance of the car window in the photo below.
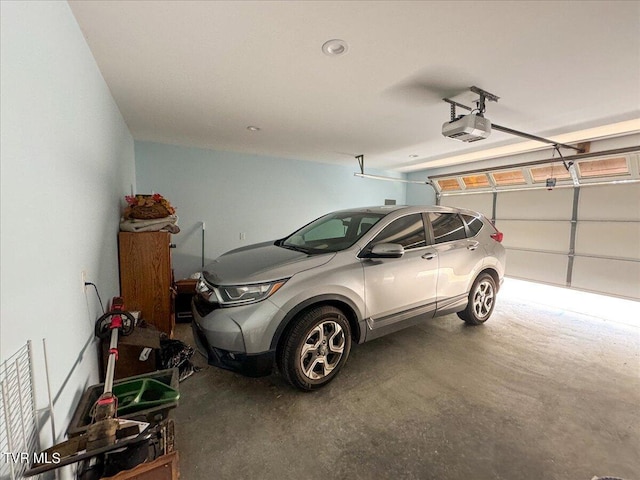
(474, 223)
(365, 224)
(447, 227)
(408, 231)
(334, 228)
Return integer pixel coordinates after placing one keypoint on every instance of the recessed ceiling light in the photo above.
(251, 128)
(335, 47)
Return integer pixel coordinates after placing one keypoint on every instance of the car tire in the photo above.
(482, 300)
(315, 348)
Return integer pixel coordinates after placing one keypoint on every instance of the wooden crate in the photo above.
(162, 468)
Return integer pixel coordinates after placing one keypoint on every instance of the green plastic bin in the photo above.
(142, 394)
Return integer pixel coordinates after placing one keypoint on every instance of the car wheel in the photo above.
(315, 348)
(482, 299)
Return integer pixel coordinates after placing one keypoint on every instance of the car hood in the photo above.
(262, 262)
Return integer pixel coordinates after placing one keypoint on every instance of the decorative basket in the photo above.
(147, 213)
(148, 207)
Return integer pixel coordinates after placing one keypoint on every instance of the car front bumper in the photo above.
(221, 339)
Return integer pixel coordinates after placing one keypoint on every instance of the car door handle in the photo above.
(429, 256)
(472, 246)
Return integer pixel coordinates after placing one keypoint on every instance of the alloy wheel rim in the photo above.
(322, 350)
(483, 299)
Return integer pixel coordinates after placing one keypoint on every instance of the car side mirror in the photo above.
(387, 250)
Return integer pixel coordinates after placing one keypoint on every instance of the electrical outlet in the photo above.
(83, 276)
(243, 236)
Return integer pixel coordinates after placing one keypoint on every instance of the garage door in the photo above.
(583, 234)
(607, 246)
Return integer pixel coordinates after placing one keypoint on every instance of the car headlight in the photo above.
(229, 295)
(206, 291)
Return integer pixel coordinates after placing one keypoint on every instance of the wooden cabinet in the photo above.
(146, 278)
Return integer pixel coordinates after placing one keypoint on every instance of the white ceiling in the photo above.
(198, 73)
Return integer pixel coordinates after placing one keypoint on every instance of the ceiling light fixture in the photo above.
(251, 128)
(335, 47)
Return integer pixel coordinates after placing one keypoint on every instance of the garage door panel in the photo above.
(593, 244)
(542, 235)
(535, 204)
(541, 267)
(615, 277)
(481, 202)
(596, 203)
(608, 239)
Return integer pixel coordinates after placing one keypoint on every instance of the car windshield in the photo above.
(331, 233)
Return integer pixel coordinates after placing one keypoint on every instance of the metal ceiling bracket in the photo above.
(570, 166)
(360, 159)
(455, 104)
(484, 95)
(574, 175)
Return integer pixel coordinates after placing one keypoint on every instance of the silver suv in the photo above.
(349, 276)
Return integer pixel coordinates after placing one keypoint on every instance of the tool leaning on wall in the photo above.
(106, 432)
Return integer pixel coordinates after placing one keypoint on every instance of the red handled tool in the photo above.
(106, 433)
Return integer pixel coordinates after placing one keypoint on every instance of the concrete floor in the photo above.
(535, 393)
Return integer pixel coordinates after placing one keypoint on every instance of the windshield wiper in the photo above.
(295, 247)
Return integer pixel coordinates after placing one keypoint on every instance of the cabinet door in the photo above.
(145, 276)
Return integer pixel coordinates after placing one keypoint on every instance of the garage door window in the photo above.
(510, 177)
(448, 184)
(476, 181)
(604, 168)
(408, 231)
(447, 227)
(540, 174)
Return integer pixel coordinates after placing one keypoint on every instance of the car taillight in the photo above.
(497, 236)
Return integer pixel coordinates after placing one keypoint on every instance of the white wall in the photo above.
(263, 197)
(67, 160)
(420, 194)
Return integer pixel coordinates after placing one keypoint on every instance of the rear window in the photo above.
(474, 224)
(447, 227)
